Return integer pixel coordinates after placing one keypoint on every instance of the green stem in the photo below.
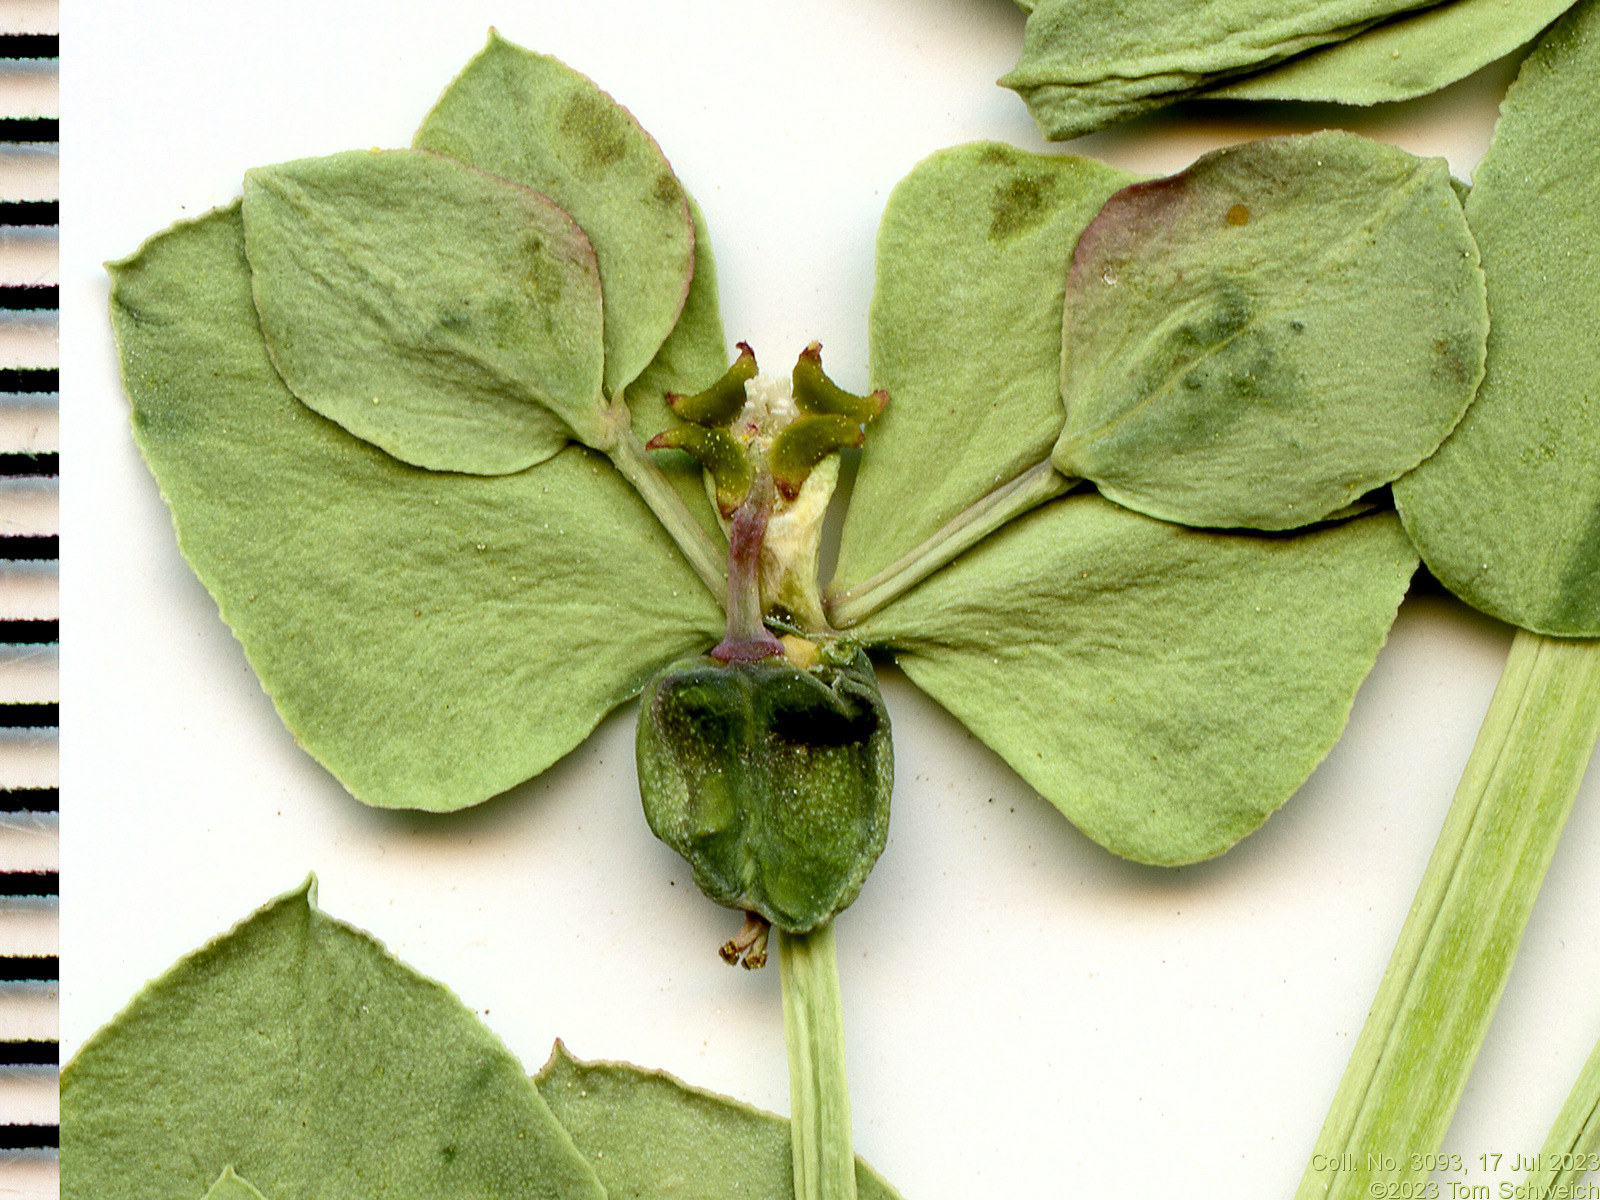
(1444, 980)
(963, 531)
(705, 555)
(1574, 1141)
(819, 1098)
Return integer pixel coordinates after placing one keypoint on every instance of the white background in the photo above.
(1026, 1015)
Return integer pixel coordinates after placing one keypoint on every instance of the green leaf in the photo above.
(230, 1187)
(1165, 688)
(298, 1052)
(1086, 64)
(435, 311)
(966, 337)
(433, 639)
(650, 1136)
(538, 122)
(1262, 338)
(1411, 55)
(1507, 513)
(1439, 992)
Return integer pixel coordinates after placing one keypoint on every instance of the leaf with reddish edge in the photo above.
(443, 314)
(1259, 340)
(533, 119)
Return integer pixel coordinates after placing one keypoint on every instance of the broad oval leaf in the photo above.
(651, 1136)
(449, 317)
(1086, 64)
(1166, 688)
(1259, 340)
(432, 639)
(1507, 513)
(296, 1053)
(535, 120)
(972, 258)
(1410, 55)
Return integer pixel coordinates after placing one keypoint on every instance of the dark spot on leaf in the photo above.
(542, 278)
(1457, 357)
(1219, 317)
(668, 190)
(996, 155)
(1020, 203)
(596, 129)
(1238, 215)
(1214, 367)
(448, 1153)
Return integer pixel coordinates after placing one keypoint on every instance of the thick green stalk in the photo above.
(819, 1098)
(705, 555)
(963, 531)
(1573, 1148)
(1444, 980)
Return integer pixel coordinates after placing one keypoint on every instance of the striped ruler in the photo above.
(29, 578)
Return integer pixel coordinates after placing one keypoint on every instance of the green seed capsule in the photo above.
(770, 778)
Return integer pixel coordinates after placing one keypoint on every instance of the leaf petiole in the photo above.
(708, 559)
(966, 529)
(1455, 951)
(819, 1097)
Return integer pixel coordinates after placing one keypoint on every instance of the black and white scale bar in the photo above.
(18, 50)
(30, 548)
(30, 379)
(30, 212)
(30, 1054)
(30, 800)
(30, 129)
(33, 968)
(30, 715)
(29, 633)
(25, 464)
(30, 45)
(30, 1137)
(30, 297)
(29, 883)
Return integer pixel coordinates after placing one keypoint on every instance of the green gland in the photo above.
(816, 394)
(724, 400)
(735, 433)
(771, 778)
